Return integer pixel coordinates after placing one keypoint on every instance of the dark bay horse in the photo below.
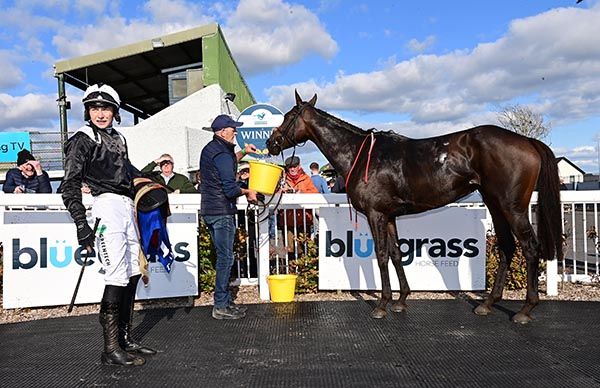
(407, 176)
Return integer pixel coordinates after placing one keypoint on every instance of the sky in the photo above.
(421, 68)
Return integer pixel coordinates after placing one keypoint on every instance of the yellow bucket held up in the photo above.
(264, 176)
(282, 287)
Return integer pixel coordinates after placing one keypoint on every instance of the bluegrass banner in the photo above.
(42, 261)
(443, 249)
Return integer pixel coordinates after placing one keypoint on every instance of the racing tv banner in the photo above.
(443, 249)
(42, 261)
(11, 143)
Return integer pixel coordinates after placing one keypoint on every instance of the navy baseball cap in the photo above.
(224, 121)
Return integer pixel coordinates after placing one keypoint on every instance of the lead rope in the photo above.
(372, 138)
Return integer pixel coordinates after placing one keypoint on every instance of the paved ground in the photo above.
(438, 343)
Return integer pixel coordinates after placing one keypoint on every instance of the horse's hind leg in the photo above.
(377, 222)
(524, 231)
(394, 250)
(506, 250)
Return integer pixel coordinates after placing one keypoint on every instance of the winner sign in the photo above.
(259, 120)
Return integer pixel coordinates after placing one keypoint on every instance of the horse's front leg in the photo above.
(505, 243)
(378, 230)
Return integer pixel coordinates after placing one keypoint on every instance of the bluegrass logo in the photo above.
(363, 247)
(61, 255)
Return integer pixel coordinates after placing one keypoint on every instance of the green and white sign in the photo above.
(259, 121)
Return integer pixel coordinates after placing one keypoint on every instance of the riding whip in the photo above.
(82, 269)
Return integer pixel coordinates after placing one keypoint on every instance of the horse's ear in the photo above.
(313, 100)
(298, 98)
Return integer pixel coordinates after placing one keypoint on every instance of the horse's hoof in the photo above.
(482, 310)
(378, 313)
(398, 307)
(521, 318)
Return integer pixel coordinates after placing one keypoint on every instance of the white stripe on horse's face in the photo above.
(442, 157)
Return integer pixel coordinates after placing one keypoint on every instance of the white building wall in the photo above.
(568, 173)
(178, 130)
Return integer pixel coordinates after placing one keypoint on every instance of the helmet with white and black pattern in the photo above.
(101, 95)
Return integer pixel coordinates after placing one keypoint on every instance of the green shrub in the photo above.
(306, 266)
(206, 260)
(207, 256)
(516, 278)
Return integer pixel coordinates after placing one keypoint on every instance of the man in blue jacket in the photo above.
(27, 177)
(219, 189)
(319, 182)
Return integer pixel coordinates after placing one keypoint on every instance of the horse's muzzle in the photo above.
(273, 146)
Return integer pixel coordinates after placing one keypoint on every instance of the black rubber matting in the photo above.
(437, 343)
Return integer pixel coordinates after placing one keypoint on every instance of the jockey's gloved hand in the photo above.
(85, 235)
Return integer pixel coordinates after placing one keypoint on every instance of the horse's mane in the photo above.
(332, 120)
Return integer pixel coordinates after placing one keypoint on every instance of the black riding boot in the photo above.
(109, 319)
(126, 317)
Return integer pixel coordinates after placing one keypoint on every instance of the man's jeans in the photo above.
(222, 232)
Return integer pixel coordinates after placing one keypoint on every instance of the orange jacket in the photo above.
(302, 184)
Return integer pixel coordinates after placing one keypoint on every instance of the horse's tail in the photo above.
(549, 207)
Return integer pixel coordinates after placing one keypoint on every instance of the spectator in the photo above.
(296, 180)
(197, 179)
(330, 183)
(296, 221)
(27, 177)
(218, 164)
(319, 182)
(339, 186)
(174, 182)
(243, 175)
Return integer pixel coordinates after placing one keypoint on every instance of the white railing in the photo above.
(580, 217)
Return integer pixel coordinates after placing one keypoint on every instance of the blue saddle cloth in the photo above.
(154, 238)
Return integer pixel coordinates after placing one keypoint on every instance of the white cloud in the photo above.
(270, 33)
(109, 32)
(28, 112)
(416, 46)
(112, 30)
(11, 74)
(92, 6)
(553, 57)
(180, 12)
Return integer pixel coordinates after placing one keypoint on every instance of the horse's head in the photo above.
(293, 130)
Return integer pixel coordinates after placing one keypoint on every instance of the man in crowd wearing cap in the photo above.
(297, 221)
(296, 180)
(97, 155)
(219, 189)
(174, 182)
(27, 177)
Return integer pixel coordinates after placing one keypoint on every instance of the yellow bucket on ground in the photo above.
(282, 287)
(264, 176)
